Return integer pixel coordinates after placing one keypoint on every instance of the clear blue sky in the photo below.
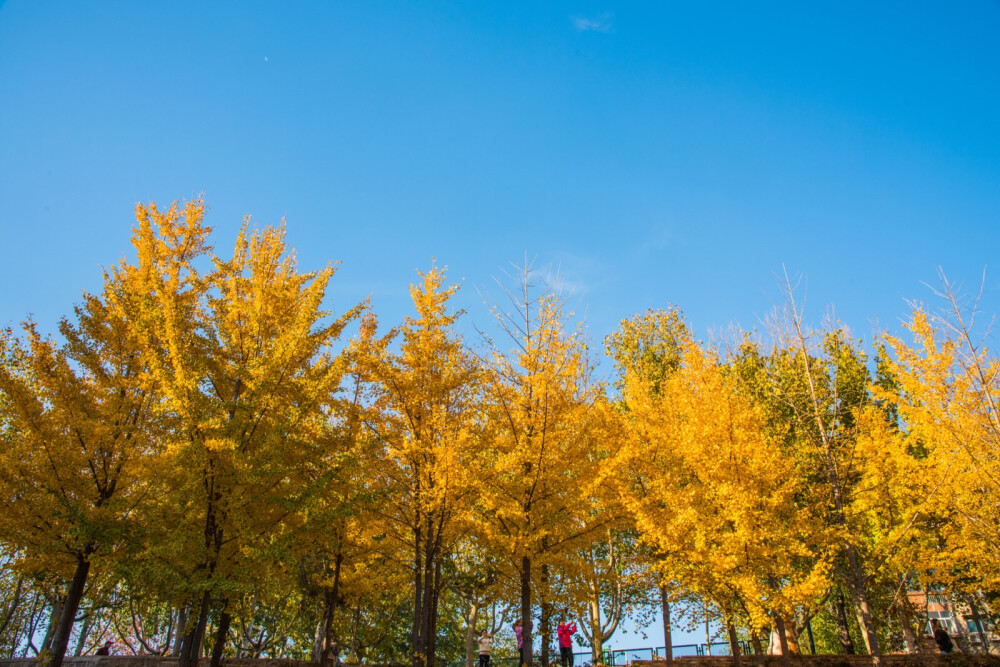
(658, 152)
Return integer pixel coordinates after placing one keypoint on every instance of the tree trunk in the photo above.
(221, 635)
(544, 626)
(526, 611)
(734, 643)
(432, 626)
(14, 604)
(758, 650)
(470, 633)
(317, 650)
(856, 579)
(417, 647)
(786, 659)
(330, 600)
(839, 611)
(194, 635)
(984, 642)
(50, 631)
(72, 603)
(182, 615)
(708, 633)
(904, 614)
(427, 611)
(596, 632)
(81, 641)
(792, 636)
(668, 648)
(961, 636)
(862, 608)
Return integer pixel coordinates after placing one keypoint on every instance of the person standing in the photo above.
(519, 632)
(941, 636)
(485, 642)
(565, 632)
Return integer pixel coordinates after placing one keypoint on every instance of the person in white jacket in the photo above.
(485, 642)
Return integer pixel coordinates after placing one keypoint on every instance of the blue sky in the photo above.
(656, 152)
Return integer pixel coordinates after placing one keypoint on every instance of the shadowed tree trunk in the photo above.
(978, 620)
(526, 638)
(221, 634)
(60, 638)
(734, 643)
(838, 611)
(668, 650)
(786, 659)
(330, 601)
(758, 650)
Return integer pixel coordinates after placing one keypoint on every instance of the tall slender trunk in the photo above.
(839, 612)
(432, 625)
(54, 615)
(856, 579)
(792, 634)
(330, 599)
(427, 625)
(961, 635)
(984, 642)
(526, 636)
(544, 625)
(70, 606)
(221, 634)
(904, 614)
(317, 650)
(708, 633)
(758, 650)
(182, 615)
(470, 633)
(596, 631)
(417, 647)
(81, 641)
(856, 588)
(734, 643)
(786, 658)
(14, 604)
(668, 649)
(195, 634)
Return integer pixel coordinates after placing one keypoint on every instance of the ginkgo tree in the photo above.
(547, 420)
(241, 350)
(195, 462)
(80, 445)
(946, 390)
(712, 490)
(424, 407)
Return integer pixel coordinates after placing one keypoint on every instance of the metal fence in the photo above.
(621, 657)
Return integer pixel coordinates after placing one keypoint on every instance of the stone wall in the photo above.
(153, 661)
(930, 660)
(926, 660)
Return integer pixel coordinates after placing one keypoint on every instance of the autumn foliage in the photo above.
(205, 461)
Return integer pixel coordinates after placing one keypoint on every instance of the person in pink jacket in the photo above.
(565, 631)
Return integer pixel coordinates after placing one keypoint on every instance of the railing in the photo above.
(621, 657)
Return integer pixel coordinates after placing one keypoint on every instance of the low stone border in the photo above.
(154, 661)
(894, 660)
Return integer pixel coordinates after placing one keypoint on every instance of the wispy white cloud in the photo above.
(601, 23)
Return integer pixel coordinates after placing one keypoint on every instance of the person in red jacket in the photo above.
(565, 631)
